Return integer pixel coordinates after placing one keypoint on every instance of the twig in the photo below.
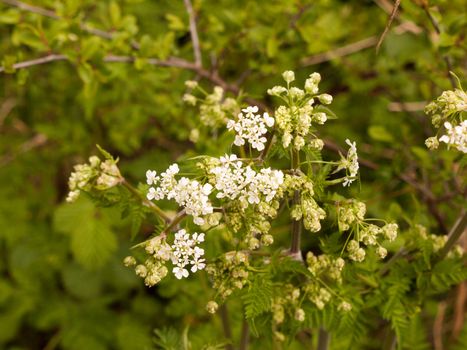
(355, 47)
(193, 33)
(437, 28)
(34, 9)
(174, 222)
(51, 14)
(407, 106)
(36, 141)
(224, 313)
(388, 25)
(340, 52)
(37, 61)
(454, 235)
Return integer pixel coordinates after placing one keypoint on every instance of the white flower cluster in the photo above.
(349, 163)
(236, 182)
(449, 108)
(456, 136)
(190, 194)
(251, 127)
(185, 252)
(294, 120)
(95, 175)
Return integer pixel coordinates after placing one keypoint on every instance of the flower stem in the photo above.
(224, 313)
(296, 225)
(245, 336)
(159, 212)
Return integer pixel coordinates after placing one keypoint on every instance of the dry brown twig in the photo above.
(388, 25)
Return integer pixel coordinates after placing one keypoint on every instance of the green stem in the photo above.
(159, 212)
(296, 225)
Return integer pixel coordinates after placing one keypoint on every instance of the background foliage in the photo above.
(62, 283)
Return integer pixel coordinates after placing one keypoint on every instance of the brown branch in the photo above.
(51, 14)
(245, 335)
(438, 326)
(224, 314)
(37, 61)
(340, 52)
(193, 33)
(407, 106)
(35, 142)
(388, 25)
(357, 46)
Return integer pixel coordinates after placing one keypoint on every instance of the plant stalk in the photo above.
(323, 339)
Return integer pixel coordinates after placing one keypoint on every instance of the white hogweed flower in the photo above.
(185, 251)
(251, 127)
(349, 163)
(233, 181)
(456, 136)
(190, 194)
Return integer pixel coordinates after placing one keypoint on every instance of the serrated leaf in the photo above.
(92, 241)
(257, 298)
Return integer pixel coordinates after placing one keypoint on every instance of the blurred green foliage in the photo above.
(62, 283)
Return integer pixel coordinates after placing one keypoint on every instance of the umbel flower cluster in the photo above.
(449, 111)
(250, 198)
(96, 175)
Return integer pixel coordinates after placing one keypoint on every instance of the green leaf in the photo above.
(92, 241)
(258, 297)
(10, 16)
(379, 133)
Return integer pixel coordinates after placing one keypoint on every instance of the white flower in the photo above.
(456, 136)
(180, 272)
(251, 127)
(190, 194)
(277, 90)
(325, 99)
(349, 163)
(186, 252)
(151, 177)
(234, 181)
(191, 84)
(288, 76)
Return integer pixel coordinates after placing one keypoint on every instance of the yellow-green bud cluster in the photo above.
(229, 273)
(317, 294)
(326, 266)
(349, 213)
(215, 109)
(97, 175)
(294, 119)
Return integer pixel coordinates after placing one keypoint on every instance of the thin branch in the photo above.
(37, 61)
(388, 25)
(193, 33)
(35, 142)
(174, 222)
(454, 235)
(407, 106)
(357, 46)
(30, 8)
(340, 52)
(51, 14)
(446, 58)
